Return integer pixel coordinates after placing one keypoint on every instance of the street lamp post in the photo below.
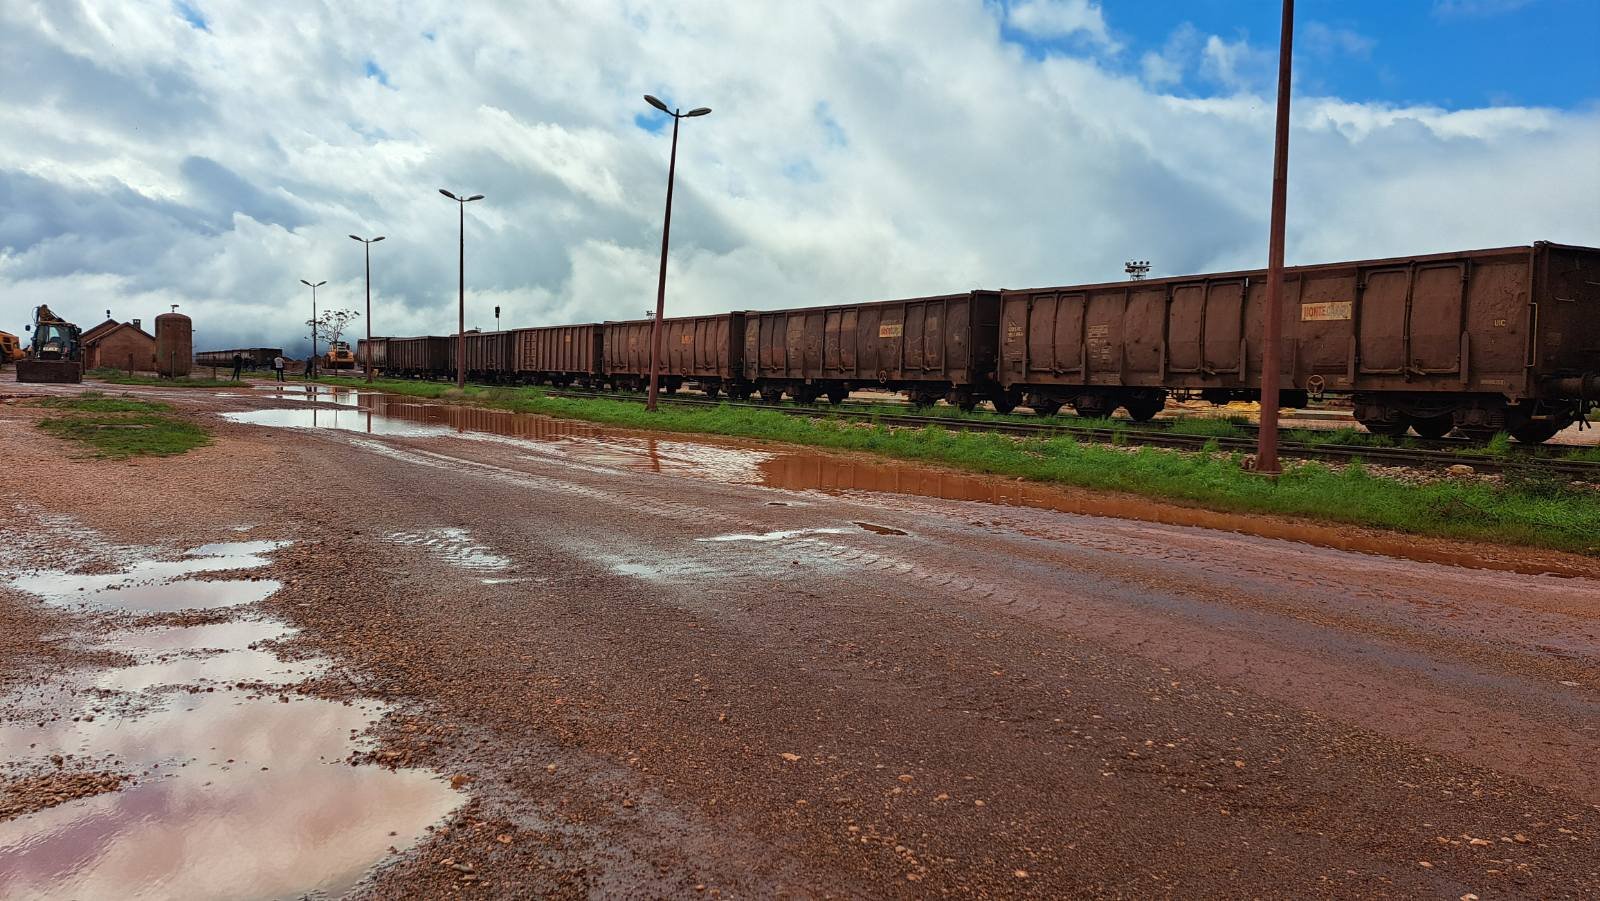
(366, 246)
(312, 368)
(666, 232)
(1272, 330)
(461, 311)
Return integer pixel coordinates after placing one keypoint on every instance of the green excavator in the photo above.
(55, 353)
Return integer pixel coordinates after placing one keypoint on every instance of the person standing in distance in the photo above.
(278, 364)
(238, 366)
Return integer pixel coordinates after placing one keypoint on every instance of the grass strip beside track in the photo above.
(1528, 511)
(118, 427)
(121, 377)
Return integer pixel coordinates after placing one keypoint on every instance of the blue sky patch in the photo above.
(652, 121)
(190, 14)
(1449, 53)
(375, 72)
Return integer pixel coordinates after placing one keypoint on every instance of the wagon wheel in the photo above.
(1003, 403)
(807, 394)
(772, 395)
(1096, 407)
(1144, 409)
(1538, 431)
(1046, 407)
(712, 391)
(1434, 426)
(921, 398)
(1394, 428)
(962, 399)
(836, 396)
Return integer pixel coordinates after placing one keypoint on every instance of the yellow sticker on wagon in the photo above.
(891, 329)
(1326, 311)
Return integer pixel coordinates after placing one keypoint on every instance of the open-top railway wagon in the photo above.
(488, 356)
(373, 352)
(703, 350)
(423, 357)
(254, 357)
(558, 354)
(1481, 341)
(929, 347)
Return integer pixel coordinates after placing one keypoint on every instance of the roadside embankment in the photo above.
(1526, 511)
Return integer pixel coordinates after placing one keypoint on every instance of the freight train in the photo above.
(254, 357)
(1477, 342)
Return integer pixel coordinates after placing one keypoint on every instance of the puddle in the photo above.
(158, 586)
(352, 420)
(322, 394)
(881, 530)
(732, 461)
(452, 546)
(776, 536)
(241, 787)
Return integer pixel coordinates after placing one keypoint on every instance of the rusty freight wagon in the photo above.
(373, 352)
(425, 357)
(929, 347)
(254, 357)
(488, 356)
(1481, 341)
(705, 351)
(558, 354)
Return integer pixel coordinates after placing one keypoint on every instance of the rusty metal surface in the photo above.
(373, 352)
(557, 349)
(488, 354)
(1457, 322)
(420, 356)
(950, 338)
(254, 357)
(692, 346)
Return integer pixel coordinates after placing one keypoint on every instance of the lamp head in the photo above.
(656, 102)
(701, 111)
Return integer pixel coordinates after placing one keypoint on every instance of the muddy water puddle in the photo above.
(733, 461)
(240, 786)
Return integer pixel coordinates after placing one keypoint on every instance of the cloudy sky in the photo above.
(211, 153)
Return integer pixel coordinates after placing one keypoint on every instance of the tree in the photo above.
(332, 323)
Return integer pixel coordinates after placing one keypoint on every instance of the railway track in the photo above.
(1442, 453)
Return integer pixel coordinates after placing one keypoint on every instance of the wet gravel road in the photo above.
(654, 673)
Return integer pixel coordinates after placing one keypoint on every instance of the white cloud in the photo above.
(1236, 65)
(1061, 19)
(1321, 39)
(145, 162)
(1477, 7)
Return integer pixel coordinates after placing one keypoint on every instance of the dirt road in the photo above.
(663, 667)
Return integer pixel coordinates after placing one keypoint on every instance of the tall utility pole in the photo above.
(1272, 332)
(461, 310)
(666, 232)
(313, 367)
(367, 248)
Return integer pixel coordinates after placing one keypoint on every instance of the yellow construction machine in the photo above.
(10, 349)
(55, 354)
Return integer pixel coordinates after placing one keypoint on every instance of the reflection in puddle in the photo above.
(240, 788)
(881, 530)
(344, 420)
(453, 546)
(157, 586)
(776, 536)
(732, 461)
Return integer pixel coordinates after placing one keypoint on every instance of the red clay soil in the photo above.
(654, 683)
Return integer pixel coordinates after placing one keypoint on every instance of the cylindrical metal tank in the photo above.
(174, 344)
